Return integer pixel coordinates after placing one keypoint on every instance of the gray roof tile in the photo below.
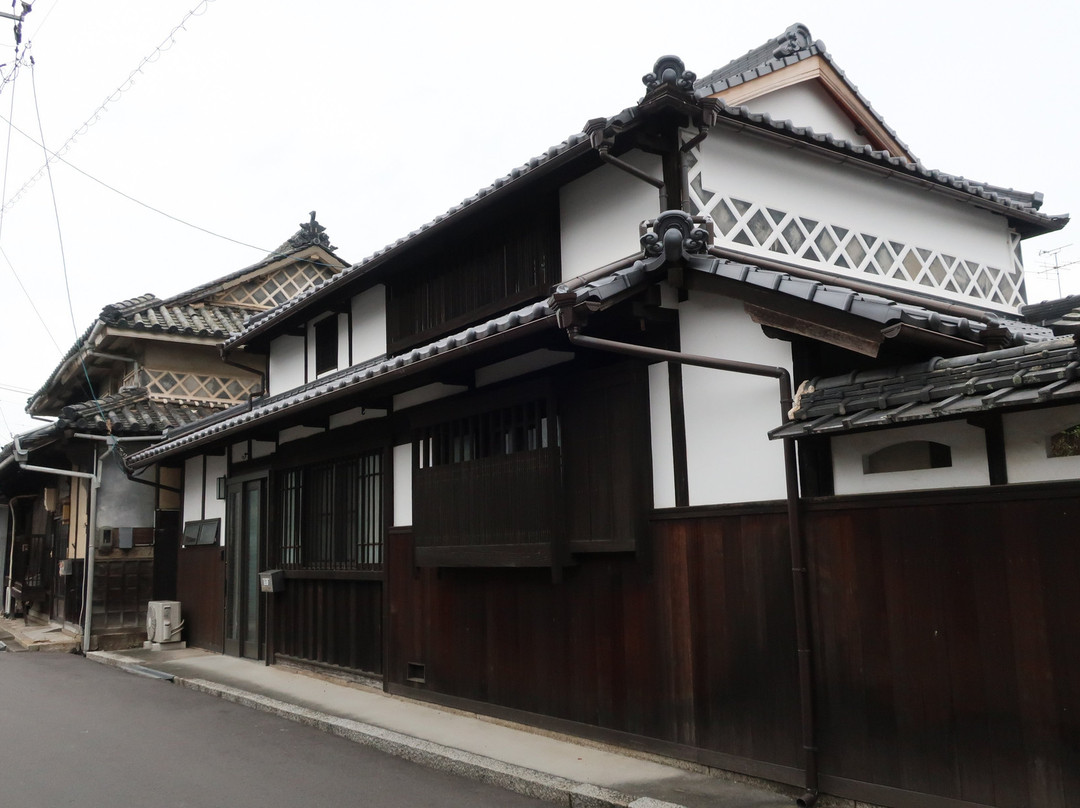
(1027, 375)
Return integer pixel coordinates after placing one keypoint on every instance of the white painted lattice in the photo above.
(274, 289)
(804, 239)
(173, 385)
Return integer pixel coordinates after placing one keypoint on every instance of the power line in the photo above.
(165, 45)
(29, 299)
(129, 197)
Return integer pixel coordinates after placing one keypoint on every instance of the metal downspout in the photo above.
(795, 539)
(604, 150)
(91, 551)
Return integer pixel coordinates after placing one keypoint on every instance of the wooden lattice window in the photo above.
(179, 386)
(486, 483)
(513, 260)
(332, 515)
(272, 290)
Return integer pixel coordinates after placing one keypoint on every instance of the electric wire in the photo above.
(29, 299)
(146, 205)
(112, 98)
(63, 258)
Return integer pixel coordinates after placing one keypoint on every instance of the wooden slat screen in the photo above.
(331, 516)
(513, 260)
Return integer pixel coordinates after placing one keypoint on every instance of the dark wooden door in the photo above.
(245, 529)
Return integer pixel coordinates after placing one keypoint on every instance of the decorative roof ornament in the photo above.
(310, 234)
(793, 40)
(675, 232)
(671, 71)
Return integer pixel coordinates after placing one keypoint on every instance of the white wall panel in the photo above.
(403, 511)
(1026, 437)
(967, 444)
(663, 453)
(369, 324)
(286, 364)
(600, 212)
(728, 415)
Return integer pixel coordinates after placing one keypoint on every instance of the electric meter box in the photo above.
(272, 581)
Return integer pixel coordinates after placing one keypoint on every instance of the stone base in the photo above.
(175, 645)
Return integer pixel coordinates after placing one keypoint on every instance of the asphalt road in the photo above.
(75, 733)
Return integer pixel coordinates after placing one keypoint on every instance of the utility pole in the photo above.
(18, 20)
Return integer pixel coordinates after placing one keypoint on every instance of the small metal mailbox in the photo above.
(272, 581)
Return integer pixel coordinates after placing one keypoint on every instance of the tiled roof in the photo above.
(215, 321)
(311, 234)
(876, 308)
(1018, 204)
(132, 412)
(1062, 315)
(791, 47)
(1039, 373)
(603, 291)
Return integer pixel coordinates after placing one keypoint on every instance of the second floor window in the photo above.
(326, 345)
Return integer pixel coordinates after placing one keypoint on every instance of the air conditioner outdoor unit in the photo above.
(163, 621)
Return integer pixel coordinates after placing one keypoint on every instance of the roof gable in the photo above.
(795, 60)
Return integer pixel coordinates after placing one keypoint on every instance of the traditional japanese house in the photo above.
(542, 457)
(143, 366)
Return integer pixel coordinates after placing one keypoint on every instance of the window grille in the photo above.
(332, 515)
(174, 385)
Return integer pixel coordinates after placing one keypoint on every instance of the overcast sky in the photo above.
(382, 115)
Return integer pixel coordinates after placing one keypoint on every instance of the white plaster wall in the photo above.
(728, 415)
(520, 365)
(193, 489)
(354, 416)
(807, 104)
(793, 180)
(1026, 436)
(215, 508)
(403, 516)
(600, 212)
(663, 452)
(422, 395)
(286, 364)
(967, 443)
(297, 433)
(369, 324)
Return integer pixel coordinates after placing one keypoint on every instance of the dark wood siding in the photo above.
(200, 588)
(604, 420)
(693, 646)
(948, 639)
(332, 622)
(946, 643)
(513, 259)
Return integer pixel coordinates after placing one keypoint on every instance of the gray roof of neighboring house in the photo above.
(1029, 375)
(132, 412)
(185, 313)
(1061, 315)
(217, 321)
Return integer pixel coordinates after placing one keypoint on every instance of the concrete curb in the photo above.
(519, 779)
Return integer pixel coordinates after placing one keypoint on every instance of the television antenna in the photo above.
(1055, 270)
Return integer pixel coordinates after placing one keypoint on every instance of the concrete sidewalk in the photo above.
(553, 768)
(20, 636)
